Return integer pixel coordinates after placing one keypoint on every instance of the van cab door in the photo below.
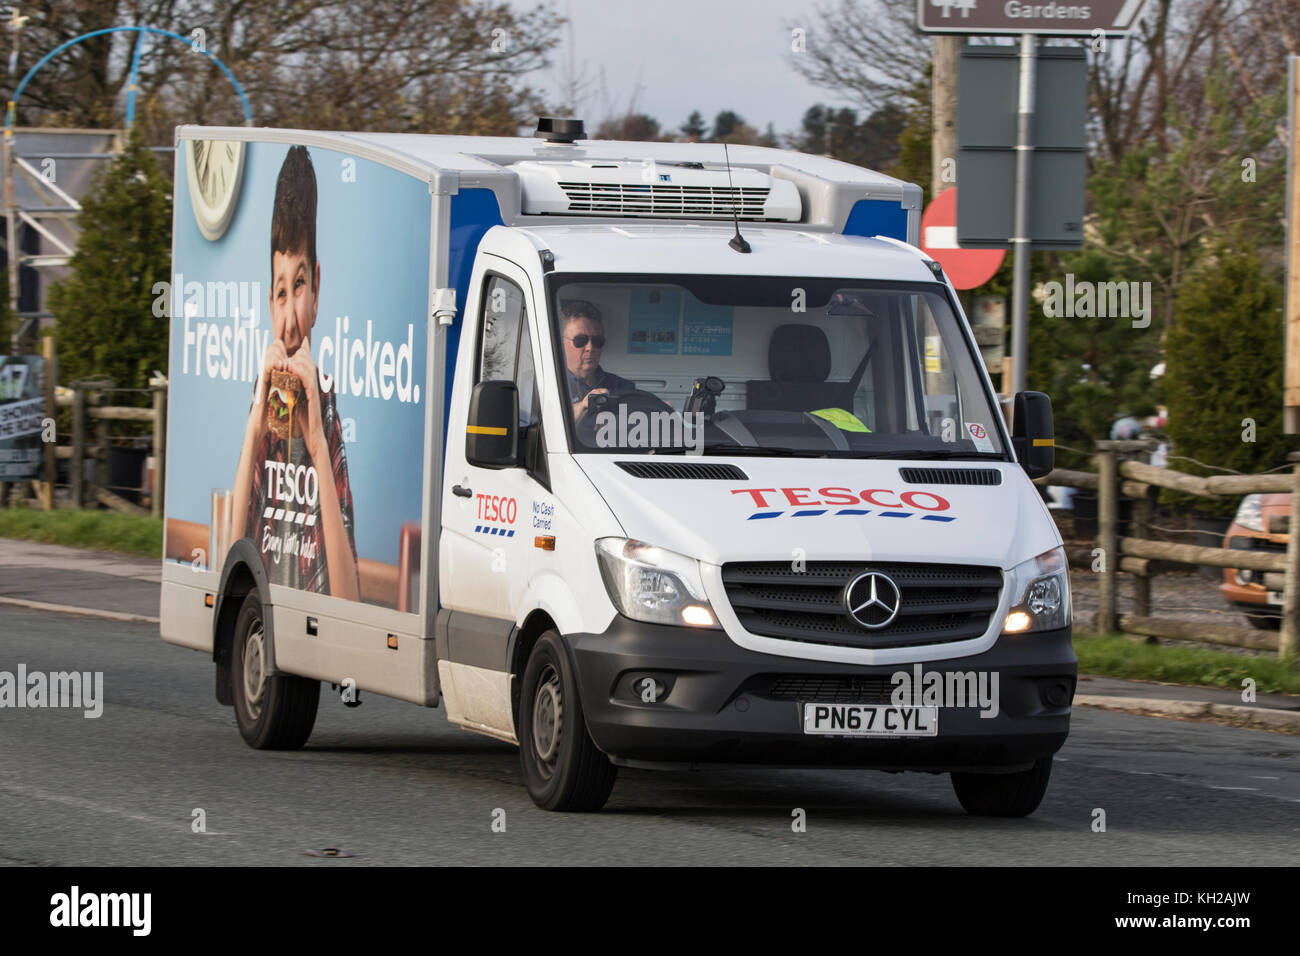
(487, 544)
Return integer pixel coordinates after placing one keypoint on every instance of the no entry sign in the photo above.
(967, 268)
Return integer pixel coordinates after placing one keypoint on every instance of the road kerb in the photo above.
(1265, 716)
(1243, 714)
(1175, 708)
(73, 609)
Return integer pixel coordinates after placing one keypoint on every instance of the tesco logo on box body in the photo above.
(880, 497)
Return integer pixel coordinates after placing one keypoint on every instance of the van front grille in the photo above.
(940, 603)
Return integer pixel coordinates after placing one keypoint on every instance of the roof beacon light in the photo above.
(560, 131)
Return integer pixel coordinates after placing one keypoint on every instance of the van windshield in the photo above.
(727, 365)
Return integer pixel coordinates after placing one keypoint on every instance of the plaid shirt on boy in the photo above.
(308, 568)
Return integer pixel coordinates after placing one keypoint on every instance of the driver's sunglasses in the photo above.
(580, 341)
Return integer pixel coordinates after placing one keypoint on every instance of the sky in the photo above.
(707, 55)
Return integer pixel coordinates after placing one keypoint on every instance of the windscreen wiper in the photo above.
(727, 448)
(933, 455)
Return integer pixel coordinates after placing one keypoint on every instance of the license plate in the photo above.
(1274, 597)
(870, 720)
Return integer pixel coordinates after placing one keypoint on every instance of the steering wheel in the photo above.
(634, 399)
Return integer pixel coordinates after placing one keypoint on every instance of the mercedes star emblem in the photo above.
(872, 599)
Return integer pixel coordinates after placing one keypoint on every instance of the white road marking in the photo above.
(34, 793)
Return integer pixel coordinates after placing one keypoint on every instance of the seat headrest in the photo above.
(799, 353)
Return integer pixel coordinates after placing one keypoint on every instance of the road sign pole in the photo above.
(1291, 302)
(1020, 243)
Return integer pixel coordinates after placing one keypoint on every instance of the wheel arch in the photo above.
(242, 572)
(522, 640)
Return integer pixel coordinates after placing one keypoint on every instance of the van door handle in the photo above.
(311, 626)
(461, 492)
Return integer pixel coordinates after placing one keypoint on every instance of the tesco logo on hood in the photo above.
(885, 502)
(799, 497)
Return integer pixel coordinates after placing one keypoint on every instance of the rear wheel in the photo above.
(563, 768)
(274, 712)
(1003, 794)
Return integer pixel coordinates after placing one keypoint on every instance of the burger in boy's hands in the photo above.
(284, 393)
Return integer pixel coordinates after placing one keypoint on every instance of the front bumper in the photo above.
(718, 703)
(1254, 592)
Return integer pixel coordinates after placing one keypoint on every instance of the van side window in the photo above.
(505, 351)
(525, 377)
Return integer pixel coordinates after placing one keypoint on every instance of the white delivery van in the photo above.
(631, 454)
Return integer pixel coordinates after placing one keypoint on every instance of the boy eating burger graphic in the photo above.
(291, 495)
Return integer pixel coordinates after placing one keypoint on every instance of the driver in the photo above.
(584, 338)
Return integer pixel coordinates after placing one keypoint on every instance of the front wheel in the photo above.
(1003, 794)
(563, 769)
(274, 712)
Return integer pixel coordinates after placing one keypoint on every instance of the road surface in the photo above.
(392, 783)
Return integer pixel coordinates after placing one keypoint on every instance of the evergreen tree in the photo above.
(730, 127)
(876, 142)
(1095, 368)
(1224, 383)
(724, 124)
(914, 140)
(104, 309)
(1152, 214)
(694, 129)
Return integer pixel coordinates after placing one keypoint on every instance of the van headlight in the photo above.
(647, 583)
(1040, 590)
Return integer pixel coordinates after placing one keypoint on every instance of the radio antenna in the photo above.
(737, 241)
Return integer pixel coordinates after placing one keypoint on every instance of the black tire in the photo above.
(1003, 794)
(563, 769)
(273, 712)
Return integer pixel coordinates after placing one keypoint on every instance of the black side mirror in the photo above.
(492, 435)
(1032, 435)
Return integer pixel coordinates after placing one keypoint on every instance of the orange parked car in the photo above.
(1261, 524)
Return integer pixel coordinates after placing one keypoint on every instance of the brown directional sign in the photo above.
(1071, 18)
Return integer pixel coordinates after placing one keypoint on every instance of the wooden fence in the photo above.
(85, 447)
(1137, 554)
(90, 442)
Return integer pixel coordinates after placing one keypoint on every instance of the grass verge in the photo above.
(99, 530)
(1111, 655)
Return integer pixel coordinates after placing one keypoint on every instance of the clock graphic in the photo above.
(216, 169)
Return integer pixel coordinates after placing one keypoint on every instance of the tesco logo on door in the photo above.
(497, 508)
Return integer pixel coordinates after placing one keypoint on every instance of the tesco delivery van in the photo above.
(630, 454)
